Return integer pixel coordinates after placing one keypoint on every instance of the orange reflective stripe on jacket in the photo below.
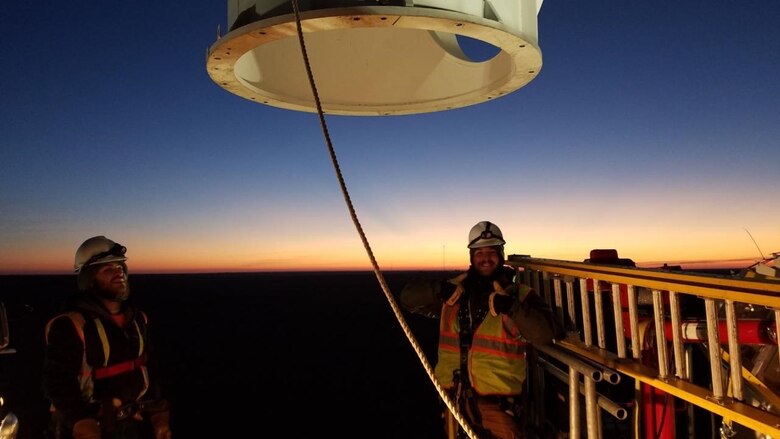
(88, 373)
(85, 377)
(119, 368)
(496, 358)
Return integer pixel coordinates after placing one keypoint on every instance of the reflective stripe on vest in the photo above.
(86, 383)
(496, 359)
(119, 368)
(104, 339)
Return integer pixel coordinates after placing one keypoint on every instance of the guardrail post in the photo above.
(598, 301)
(660, 338)
(571, 302)
(713, 343)
(735, 357)
(633, 316)
(586, 312)
(558, 299)
(620, 336)
(574, 404)
(674, 310)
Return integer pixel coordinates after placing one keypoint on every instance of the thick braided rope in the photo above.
(391, 300)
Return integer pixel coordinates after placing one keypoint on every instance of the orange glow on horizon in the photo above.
(395, 250)
(149, 267)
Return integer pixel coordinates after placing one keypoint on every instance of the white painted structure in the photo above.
(375, 57)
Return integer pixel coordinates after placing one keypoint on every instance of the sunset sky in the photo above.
(653, 127)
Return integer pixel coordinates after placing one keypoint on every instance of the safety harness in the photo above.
(462, 391)
(89, 373)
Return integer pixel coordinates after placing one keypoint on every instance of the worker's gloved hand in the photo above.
(87, 428)
(161, 424)
(536, 321)
(424, 296)
(501, 303)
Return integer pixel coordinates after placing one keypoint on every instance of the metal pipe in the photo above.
(580, 366)
(691, 407)
(735, 360)
(617, 311)
(591, 413)
(605, 403)
(749, 331)
(574, 404)
(570, 301)
(611, 376)
(660, 341)
(586, 312)
(607, 375)
(674, 310)
(598, 301)
(558, 298)
(713, 344)
(546, 287)
(633, 317)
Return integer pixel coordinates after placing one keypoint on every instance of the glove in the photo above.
(536, 321)
(161, 424)
(425, 296)
(446, 290)
(500, 303)
(87, 428)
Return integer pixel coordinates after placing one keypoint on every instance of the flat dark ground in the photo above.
(309, 354)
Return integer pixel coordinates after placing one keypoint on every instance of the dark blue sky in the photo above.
(653, 127)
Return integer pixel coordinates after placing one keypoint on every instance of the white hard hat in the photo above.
(485, 234)
(98, 250)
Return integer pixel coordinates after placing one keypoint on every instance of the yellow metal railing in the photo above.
(561, 281)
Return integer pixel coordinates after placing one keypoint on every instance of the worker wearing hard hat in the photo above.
(487, 321)
(97, 368)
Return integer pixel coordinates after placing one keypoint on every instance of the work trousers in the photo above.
(497, 420)
(126, 429)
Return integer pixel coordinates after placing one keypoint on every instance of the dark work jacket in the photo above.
(531, 313)
(75, 396)
(425, 296)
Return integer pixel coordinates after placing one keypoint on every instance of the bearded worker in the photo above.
(487, 322)
(97, 370)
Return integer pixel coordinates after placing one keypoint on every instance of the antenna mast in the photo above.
(756, 244)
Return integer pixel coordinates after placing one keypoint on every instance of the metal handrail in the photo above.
(713, 289)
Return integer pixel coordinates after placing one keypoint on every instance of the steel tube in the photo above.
(591, 413)
(713, 345)
(610, 376)
(691, 407)
(570, 302)
(586, 312)
(558, 299)
(660, 340)
(633, 317)
(749, 331)
(620, 336)
(674, 310)
(735, 360)
(574, 404)
(598, 301)
(570, 361)
(607, 374)
(605, 403)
